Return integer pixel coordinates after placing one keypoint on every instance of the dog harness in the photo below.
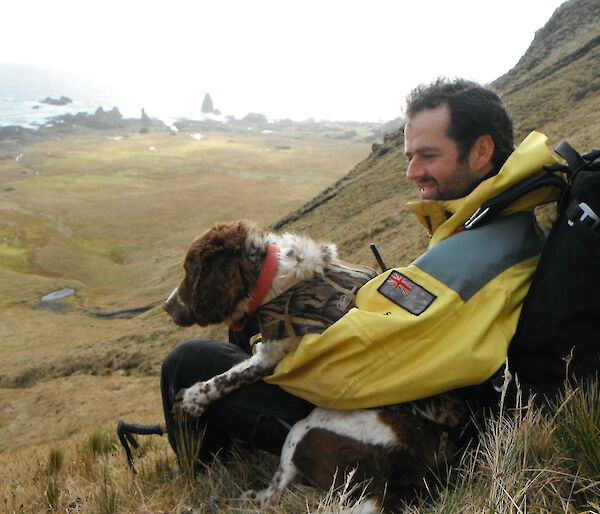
(312, 305)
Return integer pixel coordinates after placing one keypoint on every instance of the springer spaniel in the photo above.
(296, 286)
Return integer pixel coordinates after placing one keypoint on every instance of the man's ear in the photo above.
(481, 155)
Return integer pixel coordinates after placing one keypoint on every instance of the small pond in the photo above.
(57, 295)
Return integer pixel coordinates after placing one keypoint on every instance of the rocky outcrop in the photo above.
(255, 118)
(207, 105)
(105, 120)
(12, 136)
(570, 34)
(101, 121)
(63, 100)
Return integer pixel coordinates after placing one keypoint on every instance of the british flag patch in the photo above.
(407, 294)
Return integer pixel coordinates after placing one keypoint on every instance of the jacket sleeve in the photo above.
(388, 350)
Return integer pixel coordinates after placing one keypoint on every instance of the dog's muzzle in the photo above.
(179, 312)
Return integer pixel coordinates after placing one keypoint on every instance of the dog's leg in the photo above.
(286, 472)
(271, 495)
(195, 399)
(325, 446)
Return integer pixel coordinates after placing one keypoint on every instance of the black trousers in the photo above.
(256, 416)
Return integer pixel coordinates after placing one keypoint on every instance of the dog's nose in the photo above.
(179, 312)
(171, 301)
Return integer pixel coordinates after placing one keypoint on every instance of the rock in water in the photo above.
(63, 100)
(207, 105)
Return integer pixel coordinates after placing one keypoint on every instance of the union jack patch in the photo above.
(407, 294)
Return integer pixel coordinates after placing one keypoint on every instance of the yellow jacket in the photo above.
(441, 323)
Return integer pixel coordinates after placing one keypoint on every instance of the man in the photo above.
(451, 142)
(443, 323)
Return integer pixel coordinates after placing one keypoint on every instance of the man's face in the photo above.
(434, 163)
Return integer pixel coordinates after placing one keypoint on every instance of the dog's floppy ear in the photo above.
(219, 272)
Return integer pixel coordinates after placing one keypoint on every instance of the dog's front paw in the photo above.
(250, 494)
(265, 498)
(192, 401)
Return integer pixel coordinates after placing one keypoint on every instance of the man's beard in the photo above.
(459, 184)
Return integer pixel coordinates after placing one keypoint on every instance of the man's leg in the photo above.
(257, 415)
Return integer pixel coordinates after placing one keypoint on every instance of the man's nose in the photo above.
(414, 171)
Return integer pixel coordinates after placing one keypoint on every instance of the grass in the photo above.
(101, 212)
(580, 438)
(20, 235)
(525, 461)
(520, 464)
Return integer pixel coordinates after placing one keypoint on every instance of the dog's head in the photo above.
(221, 269)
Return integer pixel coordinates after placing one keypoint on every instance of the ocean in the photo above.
(22, 88)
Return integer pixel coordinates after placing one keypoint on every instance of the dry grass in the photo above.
(111, 219)
(90, 474)
(108, 214)
(525, 461)
(520, 464)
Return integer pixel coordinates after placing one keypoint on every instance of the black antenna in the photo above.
(378, 257)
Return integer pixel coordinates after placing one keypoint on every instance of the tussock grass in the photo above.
(578, 436)
(55, 461)
(526, 460)
(101, 442)
(107, 498)
(523, 462)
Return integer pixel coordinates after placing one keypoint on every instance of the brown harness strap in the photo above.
(310, 306)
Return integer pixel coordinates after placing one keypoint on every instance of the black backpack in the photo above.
(558, 333)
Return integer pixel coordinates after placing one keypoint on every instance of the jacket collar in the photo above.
(442, 218)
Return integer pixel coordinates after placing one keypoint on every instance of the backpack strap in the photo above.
(492, 207)
(575, 161)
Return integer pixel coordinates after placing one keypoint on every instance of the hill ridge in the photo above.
(554, 88)
(570, 33)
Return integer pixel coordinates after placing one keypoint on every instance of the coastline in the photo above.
(111, 123)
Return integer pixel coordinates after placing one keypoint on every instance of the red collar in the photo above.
(264, 281)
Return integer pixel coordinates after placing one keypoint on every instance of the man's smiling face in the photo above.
(434, 160)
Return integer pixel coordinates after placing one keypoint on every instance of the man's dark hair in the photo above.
(474, 111)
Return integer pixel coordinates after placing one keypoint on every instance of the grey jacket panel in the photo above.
(467, 261)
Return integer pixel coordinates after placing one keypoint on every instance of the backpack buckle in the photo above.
(583, 213)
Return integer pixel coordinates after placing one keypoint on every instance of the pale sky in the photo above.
(337, 59)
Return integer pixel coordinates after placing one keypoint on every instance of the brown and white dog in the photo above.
(235, 269)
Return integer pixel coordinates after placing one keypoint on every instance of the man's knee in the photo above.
(200, 359)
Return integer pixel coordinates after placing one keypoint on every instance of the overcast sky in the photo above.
(339, 59)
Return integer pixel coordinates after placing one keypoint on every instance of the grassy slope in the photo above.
(112, 219)
(112, 203)
(366, 205)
